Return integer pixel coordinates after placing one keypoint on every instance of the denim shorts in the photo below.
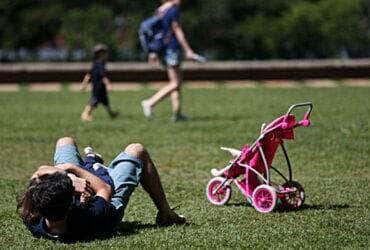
(171, 57)
(125, 170)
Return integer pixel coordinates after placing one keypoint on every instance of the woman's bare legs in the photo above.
(176, 101)
(172, 88)
(152, 185)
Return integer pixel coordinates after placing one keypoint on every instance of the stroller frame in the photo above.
(223, 178)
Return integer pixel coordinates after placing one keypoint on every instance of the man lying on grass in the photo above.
(66, 202)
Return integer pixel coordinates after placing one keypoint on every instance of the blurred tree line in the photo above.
(220, 29)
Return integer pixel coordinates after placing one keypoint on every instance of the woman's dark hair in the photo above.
(48, 196)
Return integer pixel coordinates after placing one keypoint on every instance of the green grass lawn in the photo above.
(330, 159)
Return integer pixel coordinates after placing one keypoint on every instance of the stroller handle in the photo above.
(306, 120)
(298, 105)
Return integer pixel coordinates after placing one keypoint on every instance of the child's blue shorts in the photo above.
(125, 170)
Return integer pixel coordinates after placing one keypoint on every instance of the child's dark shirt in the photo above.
(97, 75)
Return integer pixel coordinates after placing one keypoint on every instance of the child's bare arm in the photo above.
(85, 81)
(107, 83)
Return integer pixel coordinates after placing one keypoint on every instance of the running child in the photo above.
(100, 84)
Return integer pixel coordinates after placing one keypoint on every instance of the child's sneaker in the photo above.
(113, 114)
(180, 118)
(147, 109)
(89, 152)
(169, 219)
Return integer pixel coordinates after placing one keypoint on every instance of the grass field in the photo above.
(331, 159)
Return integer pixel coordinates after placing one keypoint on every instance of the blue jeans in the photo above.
(125, 170)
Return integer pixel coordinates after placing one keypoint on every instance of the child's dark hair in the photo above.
(49, 196)
(99, 50)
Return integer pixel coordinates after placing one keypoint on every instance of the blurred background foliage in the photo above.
(221, 30)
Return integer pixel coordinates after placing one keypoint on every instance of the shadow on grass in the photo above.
(125, 228)
(304, 207)
(217, 118)
(309, 207)
(239, 204)
(325, 207)
(132, 227)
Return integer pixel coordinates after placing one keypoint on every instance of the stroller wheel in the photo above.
(295, 198)
(264, 198)
(217, 194)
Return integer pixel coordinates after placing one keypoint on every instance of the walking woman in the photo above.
(170, 57)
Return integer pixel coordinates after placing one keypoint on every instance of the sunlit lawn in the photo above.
(330, 159)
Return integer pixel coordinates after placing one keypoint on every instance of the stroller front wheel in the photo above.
(264, 198)
(217, 194)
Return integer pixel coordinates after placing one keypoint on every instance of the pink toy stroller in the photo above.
(250, 169)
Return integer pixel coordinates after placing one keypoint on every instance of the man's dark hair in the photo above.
(49, 196)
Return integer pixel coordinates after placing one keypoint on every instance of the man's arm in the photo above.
(44, 169)
(98, 186)
(179, 33)
(81, 186)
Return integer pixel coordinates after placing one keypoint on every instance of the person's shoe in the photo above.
(113, 114)
(180, 118)
(147, 109)
(89, 152)
(172, 218)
